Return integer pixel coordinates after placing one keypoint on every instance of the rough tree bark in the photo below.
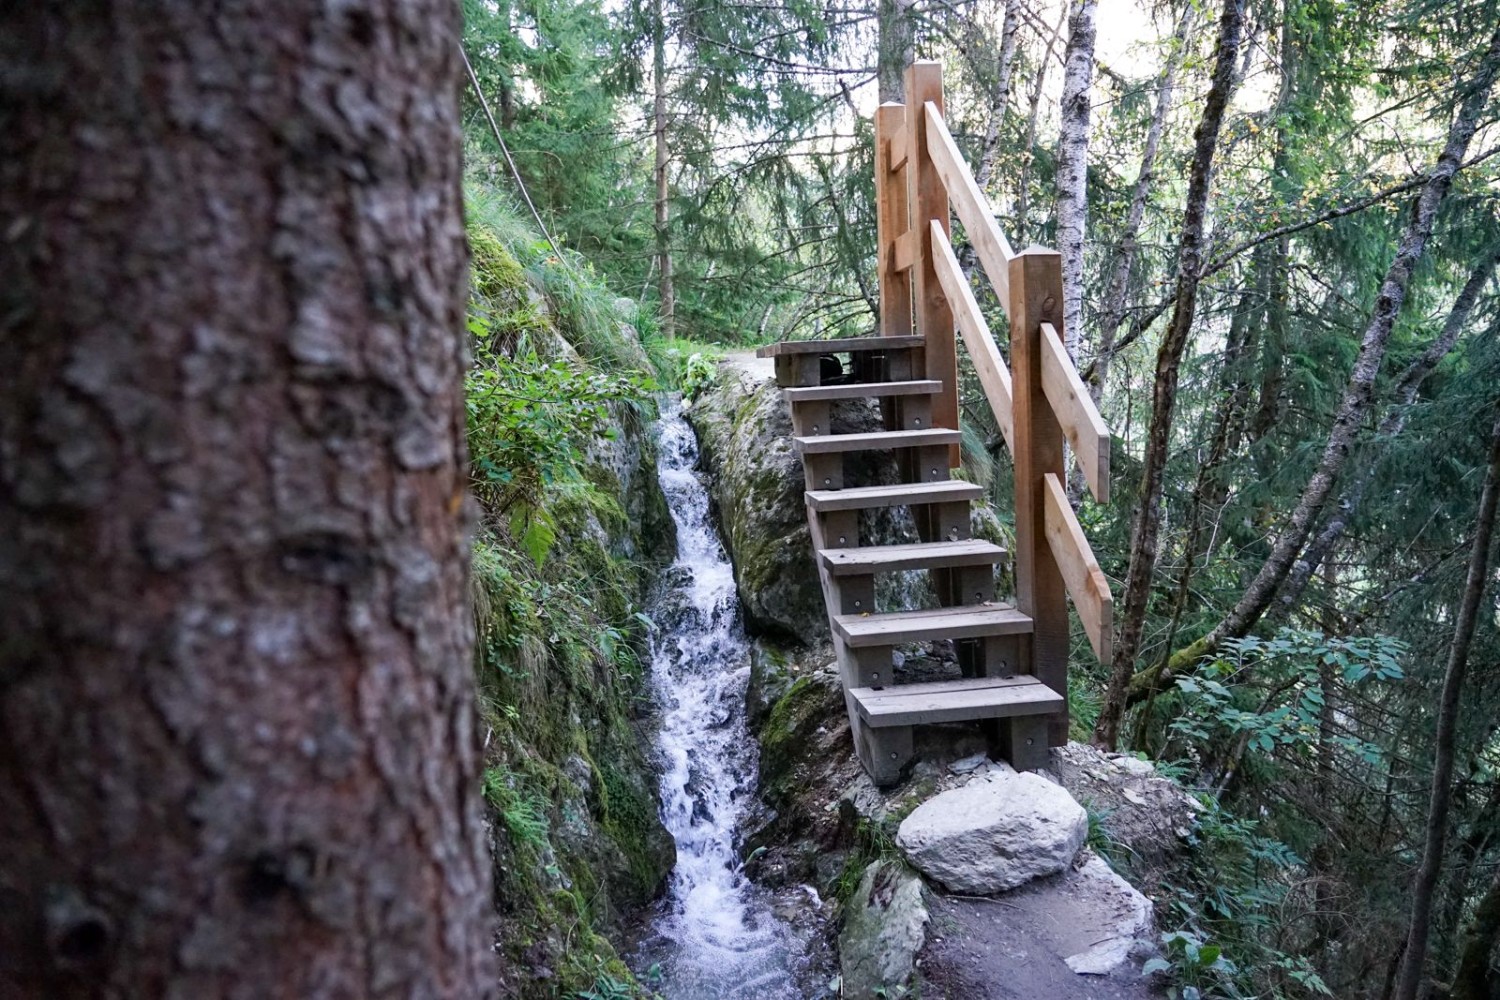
(665, 293)
(1073, 165)
(1359, 394)
(1112, 310)
(895, 48)
(1164, 390)
(238, 751)
(1441, 796)
(1472, 979)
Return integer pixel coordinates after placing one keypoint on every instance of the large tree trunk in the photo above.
(1164, 390)
(238, 752)
(895, 48)
(1441, 796)
(1112, 310)
(1359, 394)
(1073, 165)
(666, 294)
(1472, 980)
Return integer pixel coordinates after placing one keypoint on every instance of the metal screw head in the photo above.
(842, 539)
(978, 595)
(934, 473)
(916, 422)
(1029, 741)
(815, 428)
(895, 755)
(828, 482)
(859, 604)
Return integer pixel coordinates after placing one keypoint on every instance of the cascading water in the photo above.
(715, 935)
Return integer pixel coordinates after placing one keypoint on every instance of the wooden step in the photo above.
(900, 495)
(967, 622)
(845, 346)
(955, 701)
(860, 390)
(822, 444)
(923, 555)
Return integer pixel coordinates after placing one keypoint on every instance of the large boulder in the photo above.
(997, 832)
(885, 925)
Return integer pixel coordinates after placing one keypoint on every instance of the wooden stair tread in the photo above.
(900, 495)
(922, 555)
(955, 701)
(965, 622)
(843, 346)
(860, 390)
(821, 444)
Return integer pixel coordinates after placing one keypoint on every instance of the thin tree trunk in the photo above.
(238, 750)
(1112, 310)
(1028, 151)
(1472, 980)
(1391, 427)
(1000, 95)
(895, 48)
(666, 293)
(1164, 390)
(1073, 165)
(1359, 395)
(1441, 795)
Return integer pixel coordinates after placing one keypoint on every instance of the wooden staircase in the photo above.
(1012, 655)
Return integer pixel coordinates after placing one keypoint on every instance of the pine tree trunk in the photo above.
(896, 48)
(1164, 389)
(666, 294)
(1473, 980)
(1112, 311)
(1073, 164)
(1441, 797)
(238, 749)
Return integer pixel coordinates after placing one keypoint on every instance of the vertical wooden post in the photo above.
(1035, 298)
(929, 200)
(891, 221)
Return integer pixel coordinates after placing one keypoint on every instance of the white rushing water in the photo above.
(715, 935)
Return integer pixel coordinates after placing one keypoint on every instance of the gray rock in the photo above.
(885, 925)
(995, 833)
(1125, 914)
(1143, 813)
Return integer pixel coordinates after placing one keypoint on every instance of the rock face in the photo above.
(995, 833)
(755, 476)
(1146, 814)
(1123, 915)
(885, 925)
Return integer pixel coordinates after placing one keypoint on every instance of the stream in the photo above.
(715, 934)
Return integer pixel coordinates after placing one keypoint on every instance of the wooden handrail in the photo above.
(1080, 420)
(972, 207)
(994, 376)
(1086, 582)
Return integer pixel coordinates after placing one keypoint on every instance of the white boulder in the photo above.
(995, 833)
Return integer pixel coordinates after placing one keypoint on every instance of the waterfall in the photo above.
(715, 935)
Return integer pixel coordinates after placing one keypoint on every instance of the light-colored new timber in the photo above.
(973, 208)
(955, 701)
(1076, 412)
(964, 622)
(994, 376)
(860, 390)
(923, 555)
(823, 444)
(1086, 582)
(902, 495)
(844, 346)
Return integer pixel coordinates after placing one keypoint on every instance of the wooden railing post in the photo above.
(891, 221)
(929, 200)
(1036, 298)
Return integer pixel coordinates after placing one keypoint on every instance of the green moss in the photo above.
(794, 718)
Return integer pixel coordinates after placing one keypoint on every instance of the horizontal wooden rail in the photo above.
(973, 208)
(1076, 413)
(994, 376)
(1080, 571)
